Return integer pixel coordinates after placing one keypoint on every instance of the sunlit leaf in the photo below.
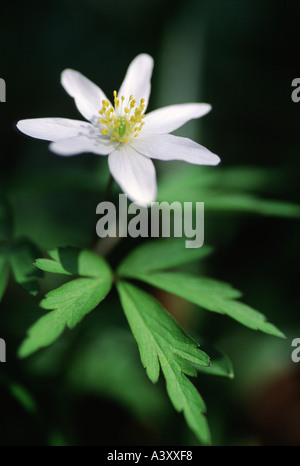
(72, 261)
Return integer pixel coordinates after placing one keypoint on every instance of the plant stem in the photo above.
(103, 246)
(107, 190)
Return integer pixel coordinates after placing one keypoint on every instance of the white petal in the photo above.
(167, 119)
(170, 147)
(53, 129)
(134, 173)
(88, 97)
(80, 144)
(137, 79)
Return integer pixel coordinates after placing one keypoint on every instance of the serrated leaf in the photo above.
(72, 261)
(211, 295)
(21, 260)
(163, 343)
(160, 254)
(70, 302)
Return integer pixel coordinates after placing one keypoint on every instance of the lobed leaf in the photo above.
(160, 254)
(163, 343)
(73, 261)
(211, 295)
(70, 302)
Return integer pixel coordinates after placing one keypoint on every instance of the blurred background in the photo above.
(241, 56)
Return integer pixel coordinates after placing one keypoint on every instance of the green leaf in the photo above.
(251, 204)
(212, 295)
(72, 261)
(163, 343)
(220, 364)
(19, 256)
(225, 190)
(160, 254)
(72, 301)
(21, 259)
(192, 182)
(20, 393)
(23, 396)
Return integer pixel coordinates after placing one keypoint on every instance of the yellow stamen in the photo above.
(120, 122)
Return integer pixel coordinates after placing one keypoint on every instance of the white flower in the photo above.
(124, 132)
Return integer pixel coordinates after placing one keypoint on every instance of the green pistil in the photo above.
(122, 127)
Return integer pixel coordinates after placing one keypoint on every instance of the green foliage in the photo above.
(220, 363)
(73, 300)
(23, 396)
(225, 190)
(18, 256)
(106, 363)
(212, 295)
(162, 342)
(22, 256)
(160, 254)
(72, 261)
(205, 292)
(20, 393)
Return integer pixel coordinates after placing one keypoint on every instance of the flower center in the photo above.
(124, 120)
